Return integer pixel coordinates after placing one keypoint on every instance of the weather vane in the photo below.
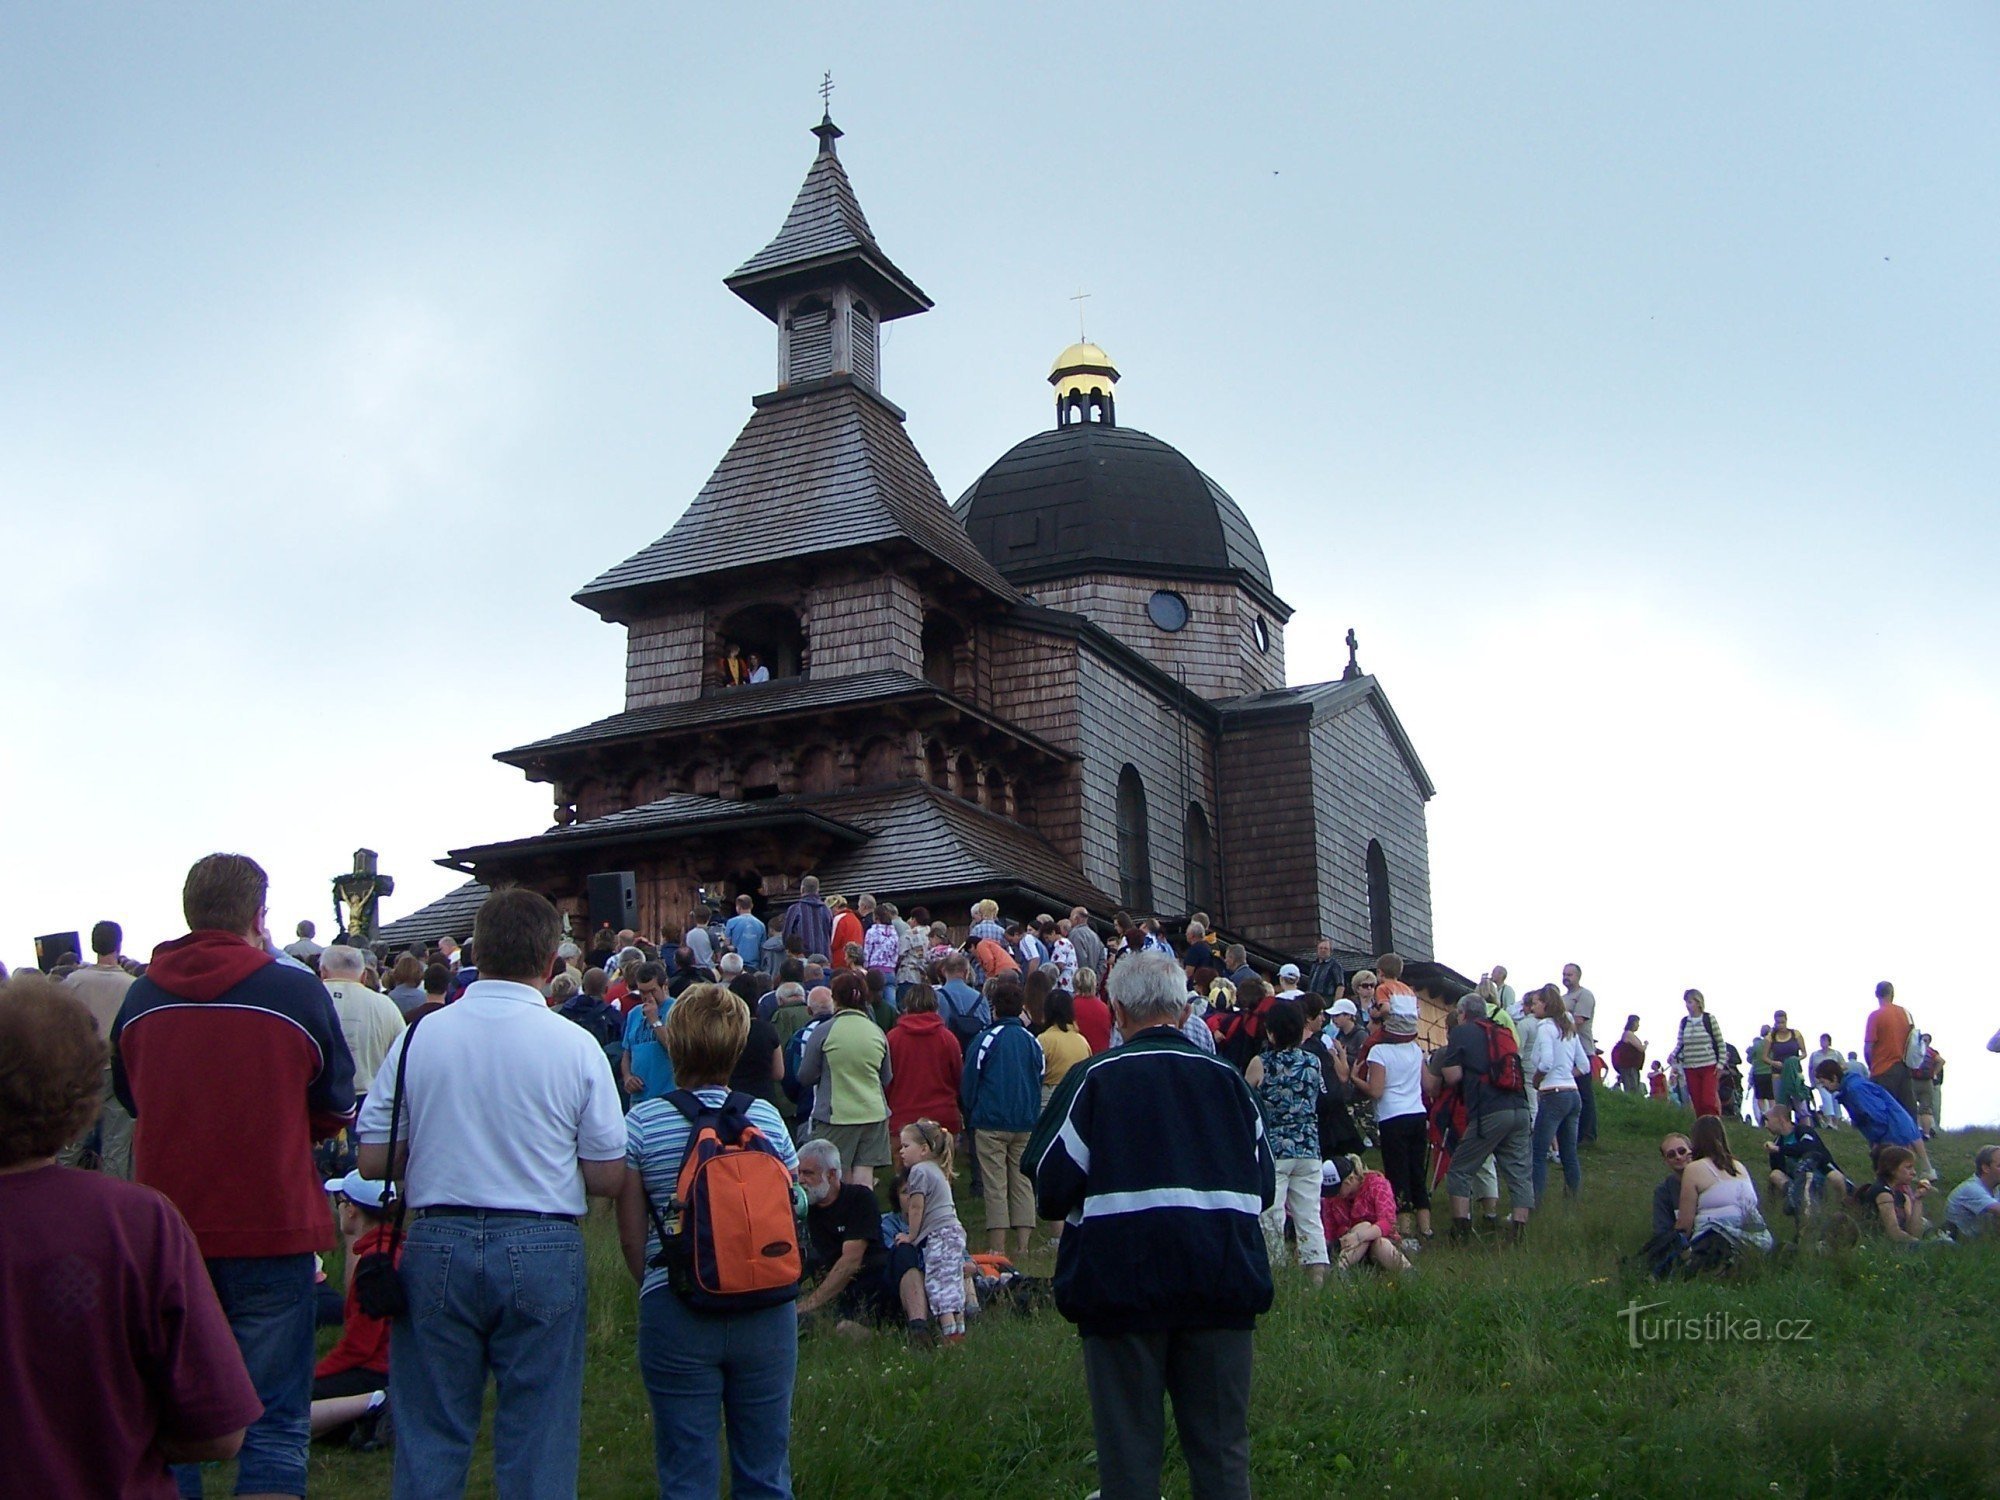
(1079, 299)
(826, 91)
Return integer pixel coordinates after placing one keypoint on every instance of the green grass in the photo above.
(1491, 1372)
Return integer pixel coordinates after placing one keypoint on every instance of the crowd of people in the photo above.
(776, 1112)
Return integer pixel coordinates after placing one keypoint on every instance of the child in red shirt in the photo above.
(351, 1383)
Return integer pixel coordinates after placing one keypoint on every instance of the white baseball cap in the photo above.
(1289, 971)
(365, 1191)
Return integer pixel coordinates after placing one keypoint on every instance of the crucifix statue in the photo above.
(1353, 656)
(356, 897)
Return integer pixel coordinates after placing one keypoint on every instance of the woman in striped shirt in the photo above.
(1699, 1051)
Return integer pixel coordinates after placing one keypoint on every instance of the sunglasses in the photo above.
(1678, 1151)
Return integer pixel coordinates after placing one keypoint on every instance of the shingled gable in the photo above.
(825, 229)
(814, 471)
(1326, 700)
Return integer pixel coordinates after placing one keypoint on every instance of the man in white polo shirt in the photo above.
(512, 1119)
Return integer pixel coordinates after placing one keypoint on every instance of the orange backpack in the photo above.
(733, 1242)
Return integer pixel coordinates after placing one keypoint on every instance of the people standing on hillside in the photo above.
(101, 1395)
(1288, 1082)
(101, 986)
(746, 934)
(644, 1067)
(1582, 1007)
(809, 919)
(1392, 1079)
(232, 1064)
(847, 1061)
(925, 1063)
(700, 1363)
(1698, 1053)
(510, 1123)
(1083, 937)
(847, 926)
(1557, 1072)
(1628, 1058)
(1886, 1045)
(1496, 1116)
(368, 1019)
(305, 950)
(1875, 1111)
(1164, 1270)
(1002, 1089)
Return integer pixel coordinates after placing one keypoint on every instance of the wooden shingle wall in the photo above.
(663, 661)
(1266, 837)
(1216, 652)
(1362, 790)
(1123, 721)
(863, 625)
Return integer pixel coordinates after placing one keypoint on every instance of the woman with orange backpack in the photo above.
(708, 1221)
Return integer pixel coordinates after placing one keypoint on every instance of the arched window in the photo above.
(760, 779)
(1135, 854)
(943, 644)
(1198, 853)
(769, 633)
(881, 761)
(966, 777)
(818, 771)
(937, 765)
(1381, 924)
(701, 779)
(993, 792)
(1024, 802)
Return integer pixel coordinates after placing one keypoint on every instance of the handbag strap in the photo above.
(396, 1110)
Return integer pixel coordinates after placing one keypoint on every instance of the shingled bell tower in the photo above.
(825, 282)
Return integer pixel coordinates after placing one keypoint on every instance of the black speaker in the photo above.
(52, 948)
(614, 899)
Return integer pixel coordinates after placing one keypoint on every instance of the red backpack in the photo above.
(733, 1242)
(1503, 1059)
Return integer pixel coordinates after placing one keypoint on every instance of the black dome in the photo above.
(1093, 497)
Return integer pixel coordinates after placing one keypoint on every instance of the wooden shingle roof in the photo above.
(812, 472)
(825, 237)
(450, 916)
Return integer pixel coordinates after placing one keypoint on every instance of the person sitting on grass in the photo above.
(1896, 1197)
(925, 1149)
(1974, 1205)
(1662, 1253)
(351, 1382)
(1358, 1215)
(102, 1395)
(1797, 1153)
(1875, 1111)
(1718, 1210)
(861, 1278)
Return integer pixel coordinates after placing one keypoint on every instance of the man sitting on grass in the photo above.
(1797, 1153)
(1662, 1252)
(862, 1279)
(1974, 1205)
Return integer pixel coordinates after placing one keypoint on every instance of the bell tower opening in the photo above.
(1084, 378)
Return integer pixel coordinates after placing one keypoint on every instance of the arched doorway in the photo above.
(1135, 853)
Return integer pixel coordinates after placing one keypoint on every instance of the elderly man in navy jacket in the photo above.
(1154, 1156)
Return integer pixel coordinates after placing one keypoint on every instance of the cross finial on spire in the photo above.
(826, 91)
(1353, 656)
(826, 130)
(1079, 299)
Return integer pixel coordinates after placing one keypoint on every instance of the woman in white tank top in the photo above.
(1393, 1076)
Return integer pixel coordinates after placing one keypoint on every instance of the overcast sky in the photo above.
(1626, 379)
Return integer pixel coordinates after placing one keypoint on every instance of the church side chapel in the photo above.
(1068, 688)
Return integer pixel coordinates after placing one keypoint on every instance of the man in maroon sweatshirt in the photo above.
(232, 1063)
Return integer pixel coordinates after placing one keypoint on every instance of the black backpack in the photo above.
(963, 1024)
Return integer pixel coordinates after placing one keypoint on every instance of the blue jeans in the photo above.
(489, 1293)
(271, 1306)
(699, 1368)
(1555, 1121)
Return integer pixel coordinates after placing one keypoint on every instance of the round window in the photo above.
(1167, 610)
(1261, 634)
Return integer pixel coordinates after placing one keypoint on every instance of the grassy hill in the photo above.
(1490, 1372)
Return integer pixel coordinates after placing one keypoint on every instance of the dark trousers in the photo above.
(1206, 1373)
(1586, 1125)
